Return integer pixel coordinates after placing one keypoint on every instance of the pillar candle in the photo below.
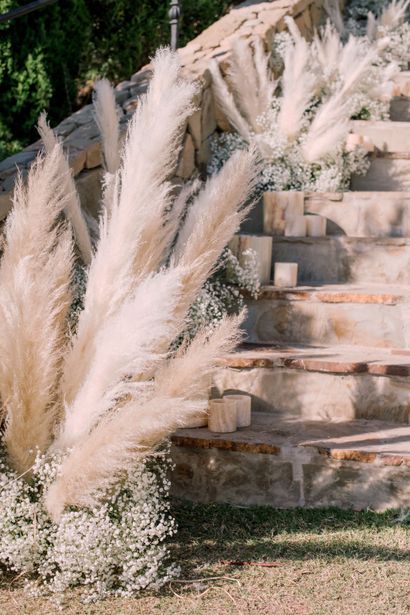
(286, 274)
(222, 416)
(296, 227)
(353, 141)
(243, 409)
(316, 226)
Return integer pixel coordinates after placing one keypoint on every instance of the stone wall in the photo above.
(79, 131)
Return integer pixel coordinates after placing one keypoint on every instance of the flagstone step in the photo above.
(400, 109)
(389, 171)
(287, 463)
(320, 382)
(367, 315)
(342, 259)
(357, 214)
(387, 136)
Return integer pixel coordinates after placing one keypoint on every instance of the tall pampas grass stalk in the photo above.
(73, 207)
(106, 116)
(132, 241)
(298, 84)
(35, 277)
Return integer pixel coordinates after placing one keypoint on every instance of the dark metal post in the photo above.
(174, 15)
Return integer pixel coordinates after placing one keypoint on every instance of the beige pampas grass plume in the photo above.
(130, 344)
(106, 116)
(225, 101)
(138, 428)
(35, 276)
(298, 84)
(132, 243)
(73, 206)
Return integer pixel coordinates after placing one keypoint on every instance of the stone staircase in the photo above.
(328, 362)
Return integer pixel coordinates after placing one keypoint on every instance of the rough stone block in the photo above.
(356, 486)
(186, 164)
(236, 478)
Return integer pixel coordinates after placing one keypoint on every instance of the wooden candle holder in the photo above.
(296, 227)
(222, 416)
(316, 226)
(279, 207)
(243, 409)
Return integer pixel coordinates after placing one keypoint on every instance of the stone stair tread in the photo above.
(388, 294)
(327, 359)
(360, 440)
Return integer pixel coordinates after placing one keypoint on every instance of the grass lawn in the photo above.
(330, 563)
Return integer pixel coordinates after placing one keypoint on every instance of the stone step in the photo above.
(367, 315)
(320, 382)
(357, 214)
(400, 109)
(386, 136)
(389, 171)
(341, 259)
(286, 463)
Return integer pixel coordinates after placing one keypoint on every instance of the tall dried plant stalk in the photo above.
(73, 206)
(298, 84)
(132, 243)
(35, 276)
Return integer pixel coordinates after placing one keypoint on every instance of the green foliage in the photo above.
(39, 62)
(47, 55)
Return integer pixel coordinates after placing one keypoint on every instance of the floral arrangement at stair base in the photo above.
(86, 413)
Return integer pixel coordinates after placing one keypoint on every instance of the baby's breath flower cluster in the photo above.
(117, 548)
(289, 170)
(223, 292)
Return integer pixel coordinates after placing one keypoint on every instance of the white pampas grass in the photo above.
(225, 101)
(251, 90)
(394, 14)
(114, 391)
(106, 116)
(328, 129)
(137, 429)
(132, 243)
(298, 84)
(128, 344)
(35, 276)
(332, 8)
(73, 206)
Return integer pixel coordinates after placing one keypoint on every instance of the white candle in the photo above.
(316, 226)
(222, 416)
(286, 274)
(262, 245)
(353, 141)
(296, 227)
(243, 409)
(368, 144)
(279, 207)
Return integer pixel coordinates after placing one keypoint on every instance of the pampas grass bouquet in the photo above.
(86, 412)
